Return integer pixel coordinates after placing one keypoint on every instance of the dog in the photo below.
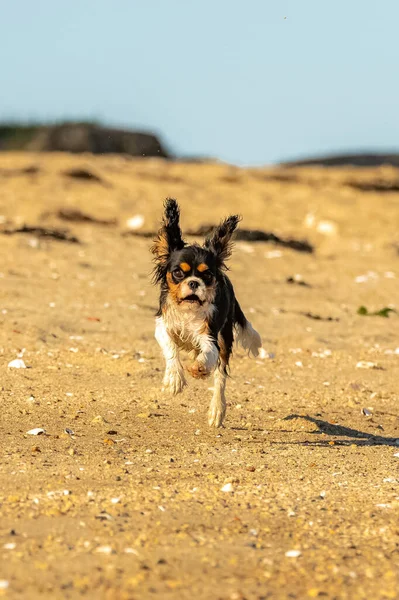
(198, 310)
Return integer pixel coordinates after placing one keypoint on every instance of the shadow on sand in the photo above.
(355, 437)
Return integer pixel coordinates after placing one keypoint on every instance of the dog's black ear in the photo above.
(219, 241)
(169, 238)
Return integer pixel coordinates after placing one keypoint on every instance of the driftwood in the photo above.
(43, 232)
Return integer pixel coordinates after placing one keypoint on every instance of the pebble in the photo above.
(366, 412)
(135, 222)
(293, 553)
(326, 228)
(104, 550)
(103, 516)
(99, 419)
(131, 551)
(366, 364)
(36, 431)
(227, 488)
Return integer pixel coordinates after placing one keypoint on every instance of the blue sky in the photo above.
(249, 82)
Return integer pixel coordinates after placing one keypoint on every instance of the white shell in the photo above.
(131, 551)
(326, 227)
(366, 412)
(227, 488)
(135, 222)
(17, 363)
(36, 431)
(366, 364)
(293, 553)
(104, 549)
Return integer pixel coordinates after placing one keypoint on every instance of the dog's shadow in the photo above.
(355, 437)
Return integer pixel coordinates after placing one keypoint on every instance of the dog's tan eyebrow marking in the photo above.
(185, 267)
(202, 267)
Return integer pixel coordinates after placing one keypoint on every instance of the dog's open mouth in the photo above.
(192, 299)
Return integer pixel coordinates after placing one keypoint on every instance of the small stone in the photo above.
(366, 412)
(135, 222)
(293, 553)
(99, 420)
(103, 516)
(227, 488)
(108, 441)
(105, 550)
(36, 431)
(131, 551)
(366, 364)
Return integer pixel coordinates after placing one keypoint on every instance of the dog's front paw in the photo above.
(174, 382)
(216, 415)
(198, 370)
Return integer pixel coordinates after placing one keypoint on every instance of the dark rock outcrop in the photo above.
(79, 138)
(349, 160)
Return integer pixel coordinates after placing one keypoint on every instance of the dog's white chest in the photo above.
(187, 327)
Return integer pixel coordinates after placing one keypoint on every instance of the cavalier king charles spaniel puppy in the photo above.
(198, 310)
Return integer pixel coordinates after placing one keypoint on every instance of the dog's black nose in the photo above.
(193, 285)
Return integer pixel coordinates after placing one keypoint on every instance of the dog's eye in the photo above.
(178, 274)
(207, 276)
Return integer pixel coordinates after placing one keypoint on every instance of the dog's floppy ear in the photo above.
(219, 241)
(169, 237)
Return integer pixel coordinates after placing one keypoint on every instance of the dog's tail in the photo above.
(246, 335)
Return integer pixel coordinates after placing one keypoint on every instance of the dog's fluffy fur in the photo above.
(198, 311)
